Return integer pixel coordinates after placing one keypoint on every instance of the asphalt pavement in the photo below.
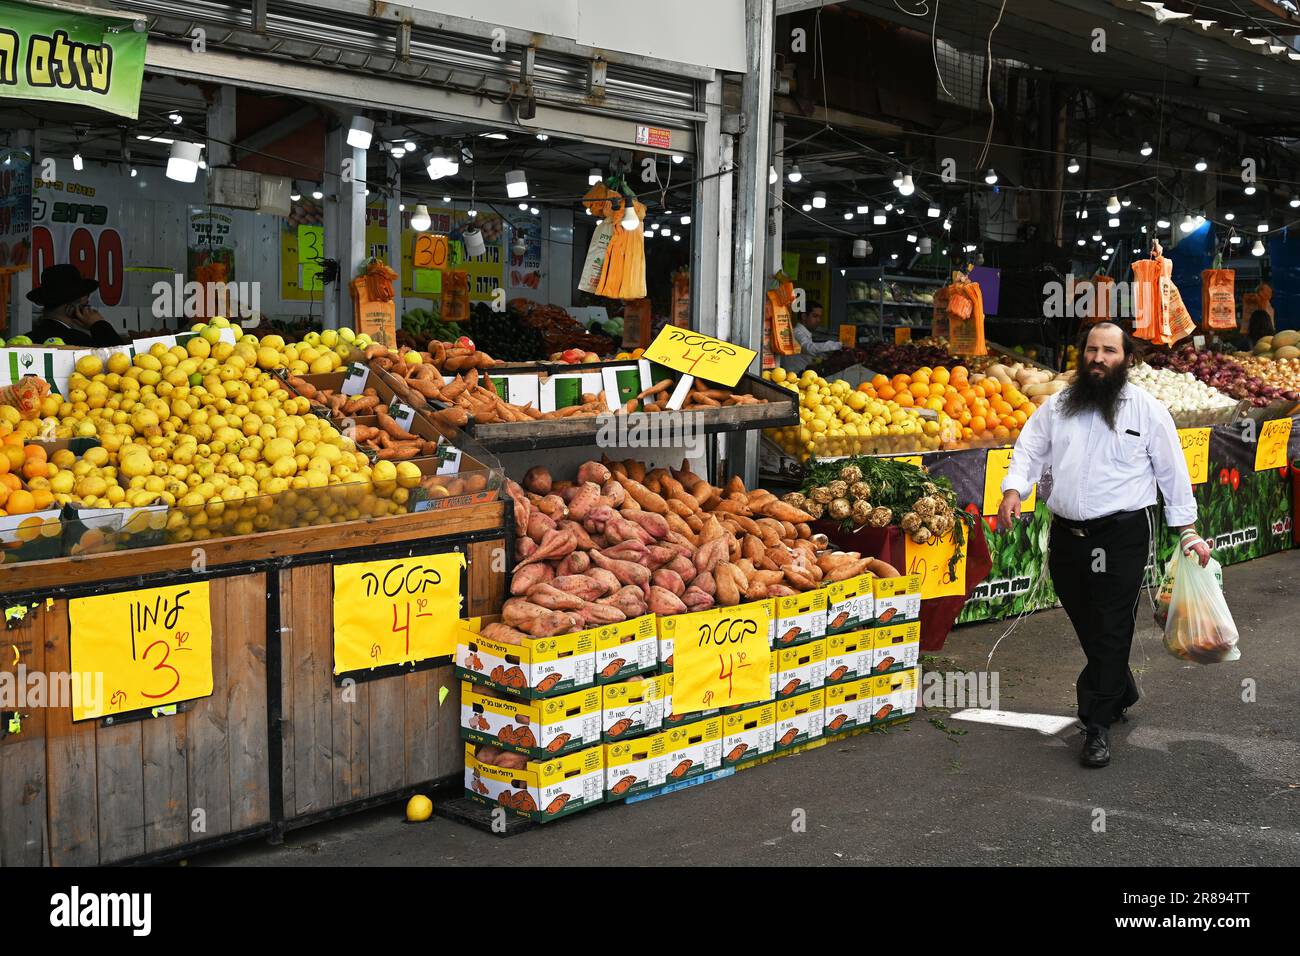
(1207, 772)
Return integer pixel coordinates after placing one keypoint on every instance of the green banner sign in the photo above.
(70, 58)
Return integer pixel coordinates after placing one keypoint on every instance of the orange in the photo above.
(1001, 434)
(919, 391)
(885, 393)
(37, 468)
(1015, 433)
(964, 418)
(10, 481)
(1001, 406)
(879, 381)
(1020, 417)
(967, 395)
(16, 457)
(959, 372)
(977, 424)
(42, 500)
(34, 451)
(941, 375)
(935, 390)
(905, 399)
(4, 494)
(13, 439)
(4, 464)
(900, 382)
(20, 503)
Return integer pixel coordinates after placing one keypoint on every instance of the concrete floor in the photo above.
(1198, 777)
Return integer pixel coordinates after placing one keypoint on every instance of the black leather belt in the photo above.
(1082, 529)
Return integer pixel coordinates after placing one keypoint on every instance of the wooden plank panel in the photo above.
(166, 782)
(372, 532)
(350, 731)
(387, 748)
(120, 776)
(22, 756)
(70, 771)
(245, 612)
(207, 745)
(449, 752)
(307, 616)
(421, 756)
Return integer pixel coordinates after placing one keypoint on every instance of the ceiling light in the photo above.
(472, 213)
(686, 220)
(295, 196)
(911, 237)
(806, 207)
(1083, 242)
(1073, 166)
(863, 210)
(516, 184)
(819, 200)
(1083, 213)
(678, 158)
(860, 248)
(1110, 250)
(1235, 240)
(794, 175)
(893, 255)
(947, 225)
(1162, 223)
(907, 187)
(134, 172)
(889, 207)
(1262, 227)
(77, 162)
(176, 118)
(676, 238)
(1200, 220)
(156, 139)
(772, 176)
(493, 136)
(1258, 248)
(1229, 216)
(932, 211)
(1096, 237)
(409, 146)
(1112, 205)
(991, 176)
(1202, 165)
(879, 219)
(1295, 201)
(898, 179)
(1146, 149)
(203, 164)
(542, 137)
(629, 220)
(361, 132)
(317, 194)
(848, 215)
(420, 219)
(398, 151)
(446, 199)
(183, 163)
(926, 246)
(1105, 257)
(1113, 222)
(821, 260)
(523, 207)
(1126, 203)
(474, 245)
(537, 212)
(1249, 190)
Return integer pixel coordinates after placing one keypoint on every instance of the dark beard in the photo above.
(1101, 394)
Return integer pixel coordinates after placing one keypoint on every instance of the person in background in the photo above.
(65, 313)
(1108, 445)
(1260, 325)
(808, 349)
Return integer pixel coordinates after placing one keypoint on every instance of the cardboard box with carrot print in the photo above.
(632, 708)
(896, 647)
(694, 749)
(635, 765)
(626, 649)
(799, 720)
(748, 734)
(893, 695)
(541, 790)
(849, 706)
(800, 618)
(800, 668)
(896, 600)
(850, 604)
(534, 669)
(539, 729)
(849, 656)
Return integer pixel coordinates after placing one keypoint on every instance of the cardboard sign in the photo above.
(396, 612)
(996, 465)
(1196, 449)
(449, 456)
(355, 383)
(430, 252)
(1270, 452)
(153, 647)
(931, 560)
(311, 247)
(721, 656)
(404, 415)
(694, 353)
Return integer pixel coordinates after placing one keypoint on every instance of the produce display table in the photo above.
(279, 742)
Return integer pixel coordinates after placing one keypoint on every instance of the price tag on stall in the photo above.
(403, 414)
(721, 657)
(1274, 437)
(694, 353)
(430, 252)
(1198, 342)
(931, 561)
(996, 465)
(355, 383)
(153, 648)
(449, 457)
(396, 612)
(1196, 449)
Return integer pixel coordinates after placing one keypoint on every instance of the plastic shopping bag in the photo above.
(1199, 626)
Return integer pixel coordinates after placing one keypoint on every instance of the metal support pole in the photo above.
(707, 234)
(221, 127)
(394, 259)
(751, 208)
(345, 222)
(775, 245)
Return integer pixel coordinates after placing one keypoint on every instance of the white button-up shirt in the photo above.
(1096, 470)
(810, 349)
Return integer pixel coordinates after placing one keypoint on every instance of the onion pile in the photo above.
(1180, 392)
(1280, 373)
(1226, 374)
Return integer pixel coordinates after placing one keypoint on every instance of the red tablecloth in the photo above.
(937, 614)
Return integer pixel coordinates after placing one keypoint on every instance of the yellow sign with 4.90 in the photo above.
(720, 656)
(153, 647)
(694, 353)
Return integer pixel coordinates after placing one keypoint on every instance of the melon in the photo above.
(1287, 337)
(1264, 345)
(1287, 352)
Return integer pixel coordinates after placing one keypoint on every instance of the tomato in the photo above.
(1223, 476)
(466, 342)
(1236, 479)
(992, 522)
(1284, 471)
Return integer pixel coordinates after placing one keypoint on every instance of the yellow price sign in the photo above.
(430, 252)
(152, 647)
(694, 353)
(996, 465)
(1196, 449)
(720, 657)
(396, 612)
(1270, 451)
(931, 561)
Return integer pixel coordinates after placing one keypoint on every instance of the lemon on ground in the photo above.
(419, 808)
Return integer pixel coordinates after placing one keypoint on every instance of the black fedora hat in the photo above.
(60, 284)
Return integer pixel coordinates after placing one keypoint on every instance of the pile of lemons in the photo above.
(835, 419)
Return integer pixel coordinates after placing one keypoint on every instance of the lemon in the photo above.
(408, 474)
(419, 808)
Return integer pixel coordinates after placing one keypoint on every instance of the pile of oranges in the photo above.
(25, 475)
(987, 410)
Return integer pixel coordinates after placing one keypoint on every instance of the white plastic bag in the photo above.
(1200, 626)
(597, 249)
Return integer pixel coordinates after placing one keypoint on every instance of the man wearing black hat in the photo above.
(65, 314)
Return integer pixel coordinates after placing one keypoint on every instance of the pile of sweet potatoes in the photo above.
(620, 542)
(386, 438)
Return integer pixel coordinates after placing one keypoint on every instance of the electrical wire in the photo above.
(993, 112)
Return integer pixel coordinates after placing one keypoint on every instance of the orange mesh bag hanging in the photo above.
(1147, 303)
(1218, 298)
(681, 301)
(783, 340)
(373, 311)
(633, 284)
(455, 296)
(966, 319)
(1103, 289)
(1178, 321)
(939, 319)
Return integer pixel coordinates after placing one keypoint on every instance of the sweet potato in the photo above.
(613, 491)
(647, 499)
(783, 511)
(529, 577)
(684, 568)
(594, 614)
(584, 501)
(496, 631)
(850, 570)
(540, 525)
(582, 586)
(538, 621)
(621, 529)
(606, 580)
(626, 571)
(552, 506)
(538, 480)
(697, 600)
(580, 537)
(669, 581)
(553, 599)
(633, 551)
(575, 563)
(628, 599)
(665, 602)
(593, 471)
(556, 544)
(706, 582)
(707, 558)
(654, 524)
(728, 593)
(881, 569)
(781, 590)
(525, 547)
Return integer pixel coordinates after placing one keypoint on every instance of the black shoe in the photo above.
(1096, 748)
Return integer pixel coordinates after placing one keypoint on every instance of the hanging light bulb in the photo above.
(523, 207)
(1202, 165)
(1162, 223)
(542, 137)
(1112, 205)
(907, 187)
(472, 213)
(76, 162)
(1250, 189)
(1073, 166)
(361, 132)
(1262, 227)
(629, 220)
(848, 215)
(1113, 222)
(859, 248)
(686, 220)
(409, 146)
(176, 118)
(1110, 250)
(183, 163)
(819, 200)
(295, 196)
(1096, 237)
(594, 175)
(516, 184)
(821, 260)
(1235, 240)
(1083, 242)
(879, 219)
(806, 207)
(534, 210)
(1295, 201)
(401, 207)
(947, 225)
(911, 237)
(1146, 149)
(1083, 213)
(932, 211)
(794, 175)
(676, 237)
(446, 199)
(772, 177)
(474, 244)
(420, 219)
(1258, 248)
(863, 210)
(1200, 220)
(1229, 216)
(889, 207)
(1126, 202)
(898, 179)
(991, 176)
(678, 158)
(1188, 224)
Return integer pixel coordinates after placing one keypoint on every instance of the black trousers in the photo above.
(1098, 578)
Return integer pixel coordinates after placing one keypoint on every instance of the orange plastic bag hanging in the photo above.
(1218, 299)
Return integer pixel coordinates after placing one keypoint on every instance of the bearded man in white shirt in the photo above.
(1108, 445)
